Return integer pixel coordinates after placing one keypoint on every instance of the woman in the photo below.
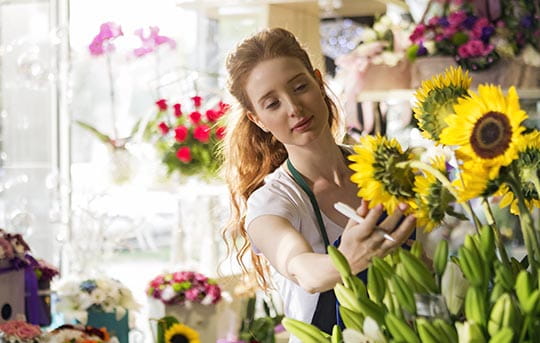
(285, 171)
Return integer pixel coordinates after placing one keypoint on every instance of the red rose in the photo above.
(212, 115)
(184, 154)
(220, 132)
(197, 100)
(202, 133)
(162, 104)
(195, 117)
(180, 133)
(177, 110)
(164, 128)
(223, 107)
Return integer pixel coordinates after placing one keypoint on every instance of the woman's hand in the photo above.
(361, 241)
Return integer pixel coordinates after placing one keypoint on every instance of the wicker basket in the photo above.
(505, 73)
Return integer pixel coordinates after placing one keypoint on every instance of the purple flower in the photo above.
(443, 21)
(151, 41)
(422, 51)
(469, 22)
(527, 21)
(487, 32)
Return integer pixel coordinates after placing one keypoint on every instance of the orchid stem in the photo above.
(112, 96)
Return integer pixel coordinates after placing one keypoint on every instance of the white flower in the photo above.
(373, 331)
(207, 300)
(353, 336)
(98, 296)
(168, 293)
(531, 56)
(430, 47)
(453, 287)
(368, 35)
(391, 59)
(469, 332)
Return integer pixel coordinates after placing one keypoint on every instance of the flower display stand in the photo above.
(199, 317)
(505, 73)
(118, 328)
(379, 77)
(11, 292)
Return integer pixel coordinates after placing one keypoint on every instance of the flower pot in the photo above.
(505, 73)
(116, 327)
(11, 291)
(199, 317)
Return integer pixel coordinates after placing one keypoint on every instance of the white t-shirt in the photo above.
(282, 196)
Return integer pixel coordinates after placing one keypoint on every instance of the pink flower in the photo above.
(192, 294)
(197, 100)
(456, 18)
(20, 329)
(162, 104)
(195, 117)
(184, 154)
(180, 133)
(479, 26)
(177, 110)
(102, 42)
(200, 277)
(179, 277)
(151, 41)
(164, 128)
(202, 133)
(418, 33)
(220, 132)
(474, 48)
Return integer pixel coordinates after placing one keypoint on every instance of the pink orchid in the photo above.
(102, 43)
(151, 41)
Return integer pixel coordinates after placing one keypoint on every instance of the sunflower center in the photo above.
(491, 135)
(179, 338)
(398, 182)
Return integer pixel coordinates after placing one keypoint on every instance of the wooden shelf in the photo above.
(407, 95)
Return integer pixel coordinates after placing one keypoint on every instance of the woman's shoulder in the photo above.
(276, 184)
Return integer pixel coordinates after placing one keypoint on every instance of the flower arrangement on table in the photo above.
(482, 293)
(477, 39)
(184, 288)
(79, 334)
(186, 136)
(78, 296)
(19, 331)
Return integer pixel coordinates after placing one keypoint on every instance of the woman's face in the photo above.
(288, 100)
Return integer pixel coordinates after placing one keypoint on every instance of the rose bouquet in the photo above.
(186, 137)
(18, 331)
(481, 292)
(77, 296)
(184, 288)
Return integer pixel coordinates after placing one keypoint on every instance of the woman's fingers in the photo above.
(363, 209)
(363, 230)
(390, 222)
(401, 234)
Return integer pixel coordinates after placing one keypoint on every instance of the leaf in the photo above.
(101, 136)
(162, 325)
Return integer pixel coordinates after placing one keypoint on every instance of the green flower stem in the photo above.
(526, 221)
(498, 240)
(524, 328)
(112, 96)
(445, 182)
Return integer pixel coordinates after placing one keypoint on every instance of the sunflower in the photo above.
(432, 198)
(436, 98)
(486, 127)
(179, 333)
(528, 166)
(476, 180)
(376, 174)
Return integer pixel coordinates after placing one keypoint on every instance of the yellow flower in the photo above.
(179, 333)
(376, 174)
(474, 180)
(528, 166)
(436, 98)
(486, 127)
(432, 198)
